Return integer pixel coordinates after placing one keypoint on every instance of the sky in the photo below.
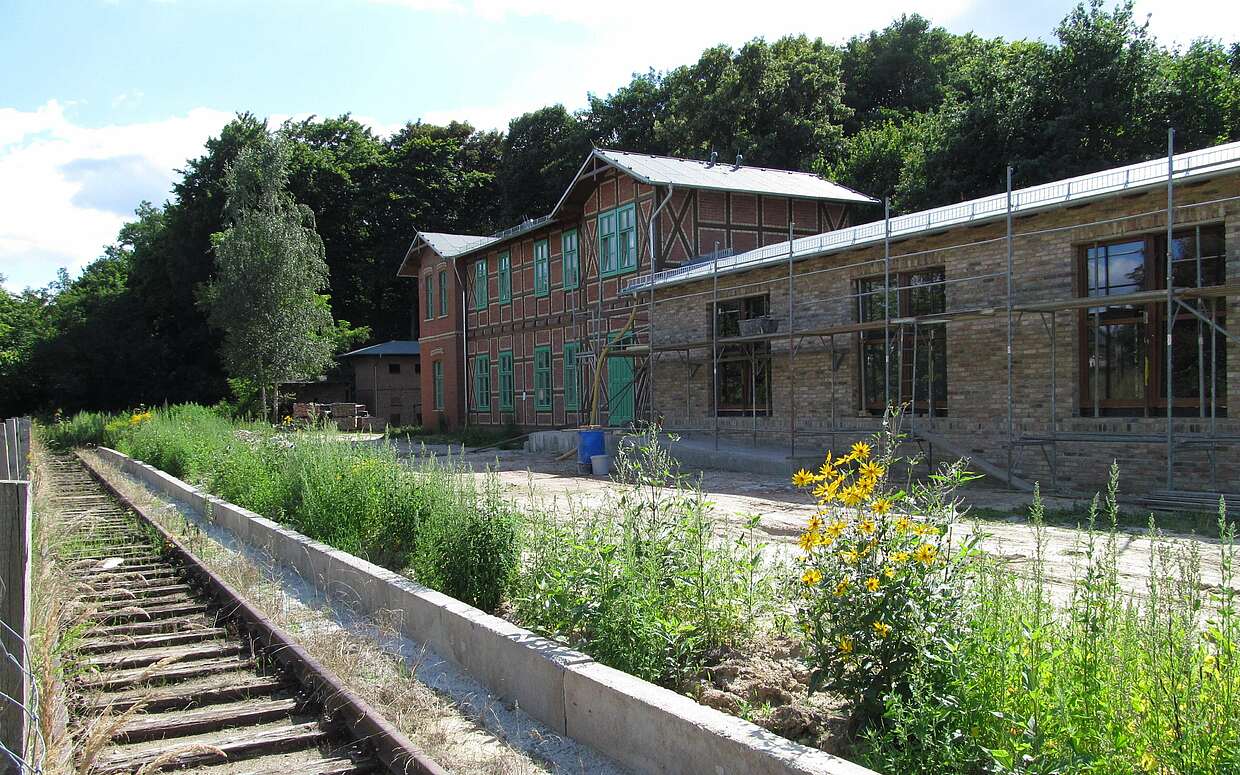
(102, 100)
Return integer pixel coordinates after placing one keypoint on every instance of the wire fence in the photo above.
(22, 745)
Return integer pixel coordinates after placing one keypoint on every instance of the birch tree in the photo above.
(270, 268)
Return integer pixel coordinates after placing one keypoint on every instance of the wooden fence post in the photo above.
(15, 615)
(8, 440)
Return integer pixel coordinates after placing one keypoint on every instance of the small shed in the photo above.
(387, 379)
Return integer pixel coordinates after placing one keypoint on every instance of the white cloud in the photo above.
(69, 188)
(1182, 21)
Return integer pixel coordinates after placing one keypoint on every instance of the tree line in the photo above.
(912, 112)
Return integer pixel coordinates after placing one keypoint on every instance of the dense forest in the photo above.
(912, 112)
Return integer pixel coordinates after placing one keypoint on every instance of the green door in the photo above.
(619, 391)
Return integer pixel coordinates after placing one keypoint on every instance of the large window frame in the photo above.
(744, 384)
(430, 295)
(1131, 339)
(505, 277)
(437, 385)
(913, 293)
(542, 378)
(570, 259)
(617, 236)
(542, 267)
(443, 293)
(571, 378)
(507, 391)
(481, 299)
(482, 383)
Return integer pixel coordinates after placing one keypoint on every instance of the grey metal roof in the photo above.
(394, 347)
(453, 245)
(1207, 162)
(724, 176)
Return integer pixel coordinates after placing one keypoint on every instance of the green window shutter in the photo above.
(443, 293)
(437, 384)
(626, 238)
(482, 383)
(505, 278)
(542, 268)
(607, 243)
(570, 376)
(542, 378)
(505, 381)
(572, 267)
(430, 296)
(480, 285)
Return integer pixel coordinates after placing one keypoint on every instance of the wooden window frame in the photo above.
(507, 392)
(430, 295)
(443, 293)
(482, 382)
(572, 401)
(437, 386)
(481, 279)
(573, 253)
(930, 339)
(542, 374)
(617, 256)
(505, 277)
(542, 268)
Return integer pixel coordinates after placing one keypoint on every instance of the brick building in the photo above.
(513, 324)
(387, 378)
(804, 352)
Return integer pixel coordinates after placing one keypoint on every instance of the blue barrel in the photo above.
(590, 441)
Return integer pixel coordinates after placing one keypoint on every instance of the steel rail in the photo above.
(390, 746)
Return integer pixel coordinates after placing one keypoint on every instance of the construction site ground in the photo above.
(539, 480)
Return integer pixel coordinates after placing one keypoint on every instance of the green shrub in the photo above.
(82, 429)
(467, 541)
(644, 583)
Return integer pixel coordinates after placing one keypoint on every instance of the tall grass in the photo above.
(1100, 682)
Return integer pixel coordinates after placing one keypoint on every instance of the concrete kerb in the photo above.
(598, 706)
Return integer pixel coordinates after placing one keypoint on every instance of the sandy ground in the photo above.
(538, 479)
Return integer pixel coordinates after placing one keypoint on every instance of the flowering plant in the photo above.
(880, 582)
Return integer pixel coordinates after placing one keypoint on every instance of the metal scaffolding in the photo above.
(1199, 302)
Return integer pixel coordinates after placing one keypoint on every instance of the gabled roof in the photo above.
(1194, 165)
(446, 246)
(719, 176)
(394, 347)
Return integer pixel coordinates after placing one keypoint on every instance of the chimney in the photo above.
(739, 159)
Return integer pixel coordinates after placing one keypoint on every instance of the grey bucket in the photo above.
(601, 464)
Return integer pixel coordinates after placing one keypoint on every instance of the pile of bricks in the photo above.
(347, 416)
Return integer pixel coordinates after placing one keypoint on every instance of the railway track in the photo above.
(189, 675)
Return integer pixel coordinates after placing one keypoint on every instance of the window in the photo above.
(570, 376)
(393, 368)
(437, 384)
(505, 381)
(1123, 355)
(542, 378)
(744, 367)
(480, 285)
(443, 293)
(911, 293)
(482, 382)
(542, 268)
(572, 266)
(617, 240)
(430, 296)
(505, 278)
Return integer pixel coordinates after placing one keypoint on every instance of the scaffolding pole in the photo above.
(792, 384)
(1008, 218)
(886, 303)
(714, 342)
(1170, 304)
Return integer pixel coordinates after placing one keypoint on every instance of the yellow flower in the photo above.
(850, 556)
(1148, 762)
(880, 506)
(815, 524)
(827, 468)
(926, 530)
(870, 470)
(823, 493)
(860, 450)
(841, 588)
(867, 484)
(852, 495)
(871, 584)
(903, 525)
(811, 577)
(802, 478)
(836, 528)
(846, 645)
(1210, 663)
(925, 554)
(882, 629)
(809, 539)
(889, 572)
(899, 558)
(866, 526)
